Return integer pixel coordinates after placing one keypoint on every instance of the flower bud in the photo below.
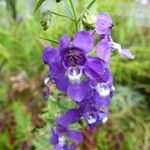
(89, 20)
(46, 19)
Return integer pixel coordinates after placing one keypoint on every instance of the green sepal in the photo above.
(46, 19)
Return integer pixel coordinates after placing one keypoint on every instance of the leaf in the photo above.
(87, 8)
(46, 19)
(68, 11)
(51, 40)
(4, 53)
(39, 3)
(41, 142)
(23, 120)
(90, 4)
(4, 138)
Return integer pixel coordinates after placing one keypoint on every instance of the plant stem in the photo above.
(61, 15)
(88, 7)
(93, 32)
(74, 13)
(2, 64)
(51, 40)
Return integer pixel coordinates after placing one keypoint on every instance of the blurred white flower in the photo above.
(143, 2)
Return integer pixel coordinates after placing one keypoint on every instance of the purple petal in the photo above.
(103, 50)
(105, 101)
(70, 147)
(91, 119)
(84, 41)
(75, 136)
(103, 116)
(57, 70)
(126, 53)
(58, 147)
(58, 75)
(103, 23)
(72, 116)
(47, 92)
(49, 55)
(78, 91)
(64, 42)
(96, 69)
(54, 137)
(62, 83)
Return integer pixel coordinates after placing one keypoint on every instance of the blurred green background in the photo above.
(26, 119)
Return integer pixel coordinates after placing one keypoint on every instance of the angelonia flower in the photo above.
(85, 78)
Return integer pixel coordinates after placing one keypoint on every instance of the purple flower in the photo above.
(104, 26)
(124, 52)
(101, 80)
(68, 64)
(95, 109)
(71, 116)
(62, 134)
(70, 147)
(96, 69)
(67, 61)
(104, 47)
(86, 79)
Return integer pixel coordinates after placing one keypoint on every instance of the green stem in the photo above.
(61, 15)
(51, 40)
(74, 13)
(2, 64)
(93, 32)
(88, 7)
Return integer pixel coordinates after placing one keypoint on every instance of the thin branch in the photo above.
(2, 64)
(61, 15)
(88, 7)
(51, 40)
(74, 13)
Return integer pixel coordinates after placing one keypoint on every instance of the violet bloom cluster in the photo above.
(86, 79)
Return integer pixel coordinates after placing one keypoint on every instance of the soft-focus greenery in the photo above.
(26, 119)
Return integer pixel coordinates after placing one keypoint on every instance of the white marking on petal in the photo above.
(102, 90)
(117, 46)
(113, 88)
(62, 140)
(91, 119)
(123, 52)
(105, 120)
(46, 80)
(75, 76)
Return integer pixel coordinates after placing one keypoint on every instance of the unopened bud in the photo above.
(89, 20)
(46, 19)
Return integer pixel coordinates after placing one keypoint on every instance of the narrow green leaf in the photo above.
(88, 7)
(61, 15)
(68, 11)
(51, 40)
(90, 4)
(38, 4)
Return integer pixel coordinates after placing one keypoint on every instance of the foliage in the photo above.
(39, 3)
(20, 50)
(128, 126)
